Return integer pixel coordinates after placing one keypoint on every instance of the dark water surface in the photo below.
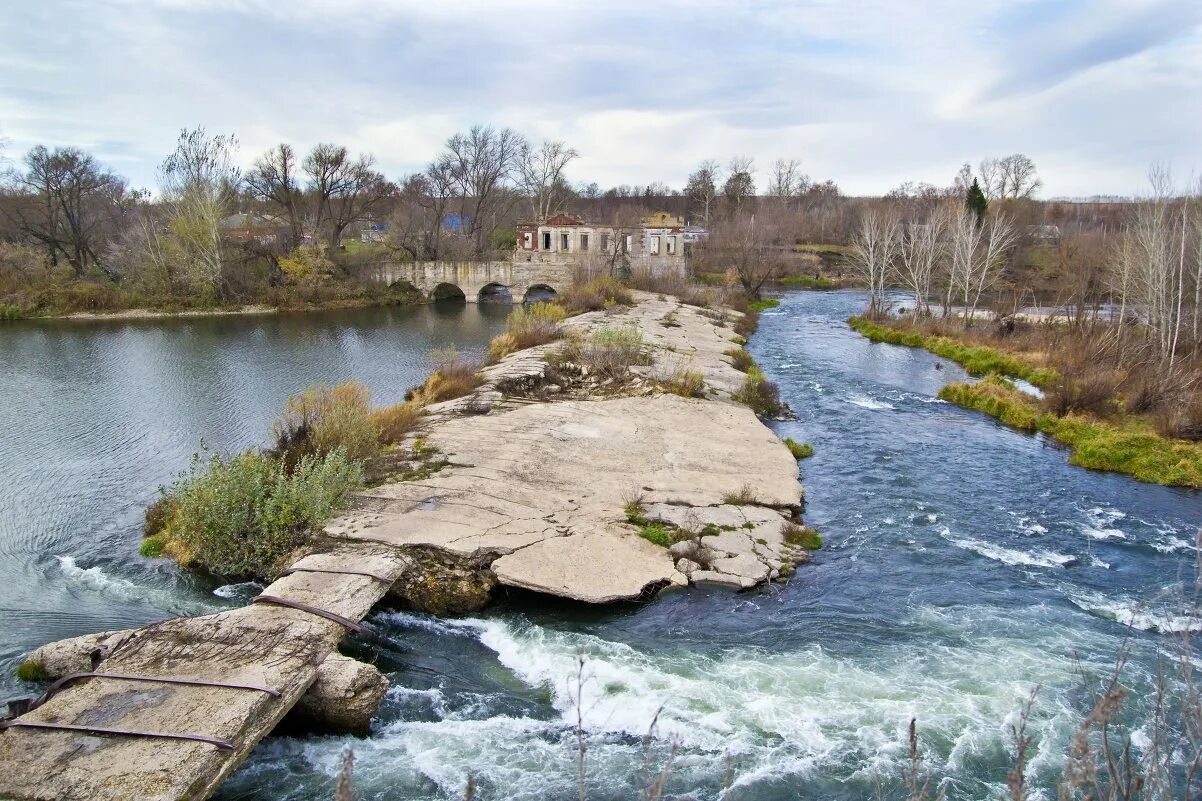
(965, 563)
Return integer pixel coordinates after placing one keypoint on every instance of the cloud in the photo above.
(868, 92)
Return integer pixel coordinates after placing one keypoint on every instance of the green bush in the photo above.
(801, 536)
(237, 517)
(800, 450)
(760, 394)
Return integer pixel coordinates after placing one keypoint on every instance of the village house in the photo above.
(262, 229)
(660, 241)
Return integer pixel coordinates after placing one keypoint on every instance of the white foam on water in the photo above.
(1144, 616)
(865, 402)
(781, 716)
(96, 579)
(244, 589)
(1009, 556)
(1100, 522)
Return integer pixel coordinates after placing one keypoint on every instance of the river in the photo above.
(965, 564)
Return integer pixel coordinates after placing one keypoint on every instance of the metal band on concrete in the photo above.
(346, 622)
(367, 573)
(224, 745)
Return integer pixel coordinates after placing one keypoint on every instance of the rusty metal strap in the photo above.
(224, 745)
(72, 677)
(346, 622)
(335, 571)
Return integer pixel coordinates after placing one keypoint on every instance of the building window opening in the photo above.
(584, 242)
(563, 242)
(546, 240)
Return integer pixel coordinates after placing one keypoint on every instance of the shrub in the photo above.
(528, 326)
(745, 326)
(800, 450)
(609, 353)
(801, 536)
(746, 496)
(321, 420)
(684, 382)
(452, 378)
(740, 359)
(595, 294)
(663, 534)
(237, 517)
(760, 395)
(394, 422)
(158, 515)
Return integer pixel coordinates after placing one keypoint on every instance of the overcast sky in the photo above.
(870, 92)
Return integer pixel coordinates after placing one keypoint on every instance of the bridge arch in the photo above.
(447, 291)
(537, 292)
(494, 293)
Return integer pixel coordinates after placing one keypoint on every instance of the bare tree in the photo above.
(997, 238)
(1017, 177)
(920, 250)
(67, 204)
(874, 249)
(345, 190)
(483, 162)
(962, 181)
(199, 182)
(750, 245)
(739, 187)
(274, 179)
(541, 171)
(989, 175)
(787, 182)
(702, 190)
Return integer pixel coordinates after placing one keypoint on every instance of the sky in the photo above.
(868, 93)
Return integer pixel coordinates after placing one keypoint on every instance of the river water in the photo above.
(965, 564)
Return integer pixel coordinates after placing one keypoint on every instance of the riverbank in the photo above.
(1119, 442)
(108, 303)
(539, 469)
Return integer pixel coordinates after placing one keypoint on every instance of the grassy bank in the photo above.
(978, 360)
(1131, 447)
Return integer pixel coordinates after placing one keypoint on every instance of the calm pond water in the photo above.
(965, 563)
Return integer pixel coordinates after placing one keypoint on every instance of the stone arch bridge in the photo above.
(478, 281)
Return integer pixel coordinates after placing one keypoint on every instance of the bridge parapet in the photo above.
(472, 278)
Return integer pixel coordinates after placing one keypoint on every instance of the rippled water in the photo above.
(965, 563)
(95, 416)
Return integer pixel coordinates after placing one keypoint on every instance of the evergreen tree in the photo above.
(976, 201)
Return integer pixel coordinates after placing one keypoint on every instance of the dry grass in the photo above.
(595, 294)
(322, 419)
(453, 377)
(528, 326)
(683, 381)
(609, 353)
(394, 422)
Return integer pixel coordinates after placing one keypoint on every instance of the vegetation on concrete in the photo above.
(595, 294)
(760, 395)
(683, 381)
(1131, 446)
(740, 359)
(800, 450)
(239, 517)
(528, 326)
(801, 536)
(609, 352)
(746, 496)
(453, 377)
